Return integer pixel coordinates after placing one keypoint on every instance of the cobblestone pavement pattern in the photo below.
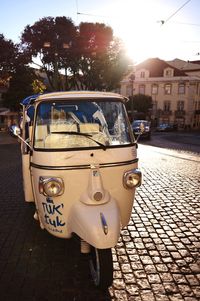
(157, 256)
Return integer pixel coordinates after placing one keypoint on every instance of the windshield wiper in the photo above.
(89, 136)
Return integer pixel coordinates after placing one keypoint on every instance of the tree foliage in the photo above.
(83, 57)
(141, 103)
(101, 57)
(14, 73)
(49, 39)
(8, 53)
(38, 86)
(20, 86)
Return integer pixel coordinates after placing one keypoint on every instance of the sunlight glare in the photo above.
(137, 24)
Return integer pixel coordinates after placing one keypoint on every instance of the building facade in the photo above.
(174, 87)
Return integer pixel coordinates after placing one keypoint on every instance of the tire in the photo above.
(101, 267)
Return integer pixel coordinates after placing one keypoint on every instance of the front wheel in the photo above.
(101, 267)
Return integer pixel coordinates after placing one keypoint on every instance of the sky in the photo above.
(136, 22)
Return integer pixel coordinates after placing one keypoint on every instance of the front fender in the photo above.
(89, 222)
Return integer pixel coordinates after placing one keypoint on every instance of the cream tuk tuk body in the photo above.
(80, 167)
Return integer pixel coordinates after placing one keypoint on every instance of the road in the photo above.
(180, 141)
(157, 256)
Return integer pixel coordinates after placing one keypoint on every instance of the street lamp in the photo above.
(132, 79)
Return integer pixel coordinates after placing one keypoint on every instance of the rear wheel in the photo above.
(101, 267)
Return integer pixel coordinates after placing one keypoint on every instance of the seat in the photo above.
(89, 128)
(40, 135)
(54, 128)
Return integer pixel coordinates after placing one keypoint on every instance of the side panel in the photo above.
(28, 193)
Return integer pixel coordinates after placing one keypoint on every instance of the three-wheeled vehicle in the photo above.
(80, 168)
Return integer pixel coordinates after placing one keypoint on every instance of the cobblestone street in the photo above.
(157, 256)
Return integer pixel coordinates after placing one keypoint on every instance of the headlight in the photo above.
(132, 178)
(51, 186)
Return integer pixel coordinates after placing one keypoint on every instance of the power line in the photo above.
(182, 23)
(84, 14)
(91, 15)
(164, 21)
(190, 41)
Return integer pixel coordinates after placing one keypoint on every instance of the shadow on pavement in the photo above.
(33, 264)
(183, 141)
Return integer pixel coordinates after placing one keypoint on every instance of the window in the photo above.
(181, 88)
(198, 89)
(154, 89)
(155, 106)
(180, 105)
(168, 72)
(167, 106)
(128, 90)
(141, 89)
(142, 74)
(168, 89)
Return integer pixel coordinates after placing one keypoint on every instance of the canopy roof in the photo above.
(70, 95)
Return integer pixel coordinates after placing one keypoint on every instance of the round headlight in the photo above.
(132, 178)
(51, 186)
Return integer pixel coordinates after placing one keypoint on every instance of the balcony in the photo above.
(179, 113)
(163, 113)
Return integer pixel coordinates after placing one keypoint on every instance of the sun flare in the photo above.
(137, 24)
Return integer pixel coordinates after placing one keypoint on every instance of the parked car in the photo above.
(166, 127)
(146, 131)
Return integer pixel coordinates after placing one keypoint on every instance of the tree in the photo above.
(20, 86)
(14, 73)
(50, 39)
(92, 44)
(101, 58)
(83, 57)
(8, 53)
(116, 66)
(141, 104)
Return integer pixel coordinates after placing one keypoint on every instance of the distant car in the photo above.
(137, 126)
(166, 127)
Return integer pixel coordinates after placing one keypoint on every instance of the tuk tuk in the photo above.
(80, 169)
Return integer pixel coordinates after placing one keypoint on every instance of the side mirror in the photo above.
(15, 130)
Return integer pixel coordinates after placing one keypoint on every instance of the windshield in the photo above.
(81, 124)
